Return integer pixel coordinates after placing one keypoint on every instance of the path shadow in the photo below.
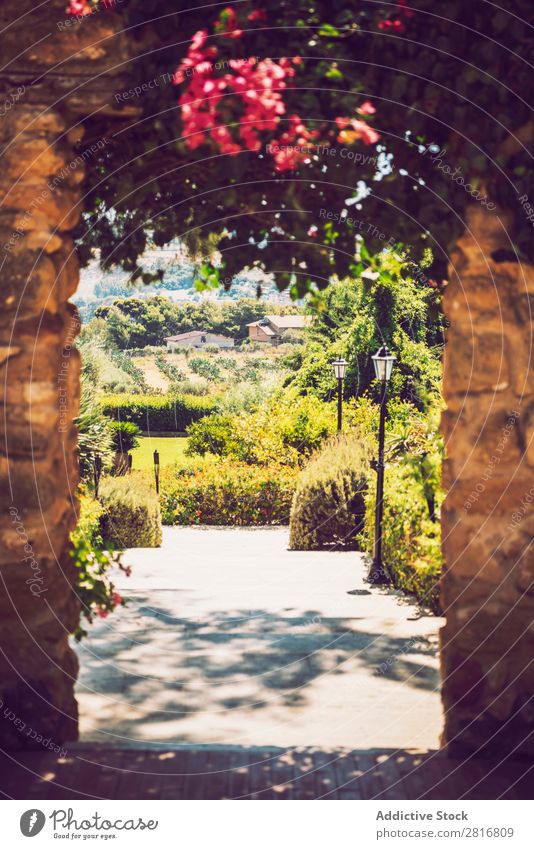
(167, 667)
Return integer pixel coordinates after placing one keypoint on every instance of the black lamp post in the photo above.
(340, 368)
(97, 471)
(156, 470)
(383, 364)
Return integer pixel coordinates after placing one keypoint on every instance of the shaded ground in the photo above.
(230, 639)
(212, 772)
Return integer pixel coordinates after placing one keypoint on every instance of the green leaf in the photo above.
(329, 30)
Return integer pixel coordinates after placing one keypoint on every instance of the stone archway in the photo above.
(487, 673)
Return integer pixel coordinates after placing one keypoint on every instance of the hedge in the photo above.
(227, 493)
(131, 516)
(328, 507)
(162, 413)
(411, 540)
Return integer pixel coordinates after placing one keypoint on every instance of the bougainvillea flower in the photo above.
(251, 91)
(358, 130)
(395, 25)
(366, 108)
(80, 8)
(257, 15)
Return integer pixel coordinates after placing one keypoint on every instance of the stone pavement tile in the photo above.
(107, 768)
(371, 779)
(156, 775)
(203, 766)
(347, 777)
(283, 775)
(305, 767)
(326, 780)
(390, 776)
(260, 779)
(412, 768)
(218, 781)
(239, 766)
(214, 772)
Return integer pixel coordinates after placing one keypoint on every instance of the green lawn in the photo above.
(171, 450)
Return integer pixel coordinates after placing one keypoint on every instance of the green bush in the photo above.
(411, 540)
(227, 493)
(95, 591)
(205, 368)
(328, 507)
(124, 436)
(214, 434)
(172, 372)
(131, 517)
(285, 430)
(124, 362)
(166, 413)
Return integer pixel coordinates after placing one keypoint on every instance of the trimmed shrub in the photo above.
(166, 413)
(328, 507)
(411, 540)
(228, 493)
(131, 517)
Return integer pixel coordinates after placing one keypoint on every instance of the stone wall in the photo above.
(488, 517)
(53, 77)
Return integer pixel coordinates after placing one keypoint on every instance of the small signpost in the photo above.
(156, 470)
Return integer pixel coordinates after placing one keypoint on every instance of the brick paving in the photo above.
(215, 772)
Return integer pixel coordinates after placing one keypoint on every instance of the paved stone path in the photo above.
(230, 639)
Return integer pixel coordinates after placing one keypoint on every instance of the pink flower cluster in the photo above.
(353, 129)
(397, 25)
(233, 108)
(82, 8)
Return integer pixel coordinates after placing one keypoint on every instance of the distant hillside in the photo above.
(98, 288)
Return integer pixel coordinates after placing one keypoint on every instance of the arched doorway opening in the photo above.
(487, 585)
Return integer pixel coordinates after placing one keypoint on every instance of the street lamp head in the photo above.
(383, 363)
(340, 368)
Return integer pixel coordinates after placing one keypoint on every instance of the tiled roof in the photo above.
(194, 334)
(282, 322)
(288, 321)
(182, 337)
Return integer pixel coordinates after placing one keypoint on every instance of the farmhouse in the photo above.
(273, 328)
(198, 339)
